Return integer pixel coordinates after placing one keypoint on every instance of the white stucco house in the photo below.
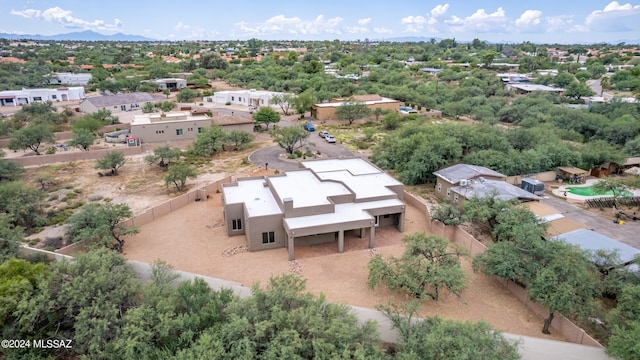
(69, 78)
(28, 96)
(250, 97)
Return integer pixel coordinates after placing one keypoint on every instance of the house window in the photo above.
(262, 101)
(236, 224)
(37, 98)
(448, 192)
(200, 130)
(455, 197)
(178, 131)
(439, 187)
(268, 237)
(233, 98)
(376, 221)
(54, 96)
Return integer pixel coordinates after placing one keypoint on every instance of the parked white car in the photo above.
(323, 133)
(330, 139)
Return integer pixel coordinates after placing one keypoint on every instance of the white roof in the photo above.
(364, 186)
(343, 213)
(355, 166)
(175, 116)
(370, 102)
(305, 188)
(256, 197)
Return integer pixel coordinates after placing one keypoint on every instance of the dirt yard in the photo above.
(199, 244)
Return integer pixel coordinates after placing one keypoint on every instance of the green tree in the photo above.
(82, 138)
(426, 268)
(282, 321)
(31, 137)
(84, 300)
(303, 102)
(113, 160)
(616, 186)
(391, 120)
(163, 155)
(10, 241)
(568, 284)
(352, 110)
(100, 224)
(166, 92)
(209, 141)
(378, 112)
(21, 203)
(212, 60)
(624, 323)
(266, 115)
(447, 214)
(10, 170)
(577, 90)
(178, 174)
(290, 138)
(239, 139)
(484, 210)
(148, 108)
(432, 338)
(19, 280)
(285, 101)
(186, 95)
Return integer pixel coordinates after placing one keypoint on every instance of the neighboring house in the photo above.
(481, 187)
(250, 97)
(182, 125)
(28, 96)
(315, 204)
(524, 88)
(431, 71)
(69, 78)
(593, 242)
(453, 176)
(557, 222)
(116, 103)
(173, 84)
(327, 111)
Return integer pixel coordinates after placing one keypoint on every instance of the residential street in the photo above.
(627, 233)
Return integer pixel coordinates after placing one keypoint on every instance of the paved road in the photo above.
(271, 155)
(627, 233)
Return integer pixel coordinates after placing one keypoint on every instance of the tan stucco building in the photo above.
(180, 125)
(116, 103)
(461, 175)
(327, 111)
(317, 203)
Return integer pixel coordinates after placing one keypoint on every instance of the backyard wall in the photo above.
(44, 159)
(570, 331)
(67, 135)
(543, 176)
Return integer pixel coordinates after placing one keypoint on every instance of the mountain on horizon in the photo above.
(86, 35)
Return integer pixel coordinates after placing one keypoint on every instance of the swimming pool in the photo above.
(592, 191)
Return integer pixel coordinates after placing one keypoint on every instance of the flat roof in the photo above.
(305, 188)
(256, 197)
(535, 87)
(344, 213)
(175, 116)
(372, 102)
(504, 190)
(356, 166)
(455, 173)
(594, 241)
(364, 186)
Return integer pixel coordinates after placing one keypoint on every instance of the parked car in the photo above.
(330, 139)
(323, 133)
(309, 126)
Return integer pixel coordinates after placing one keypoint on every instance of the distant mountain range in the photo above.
(87, 35)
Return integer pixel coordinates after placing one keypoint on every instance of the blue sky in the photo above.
(558, 21)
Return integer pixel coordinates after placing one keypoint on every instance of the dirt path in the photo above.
(194, 239)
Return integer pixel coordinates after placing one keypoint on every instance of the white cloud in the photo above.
(66, 19)
(614, 18)
(294, 25)
(529, 18)
(439, 10)
(382, 30)
(357, 29)
(481, 21)
(364, 21)
(180, 26)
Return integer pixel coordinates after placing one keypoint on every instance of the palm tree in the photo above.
(605, 83)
